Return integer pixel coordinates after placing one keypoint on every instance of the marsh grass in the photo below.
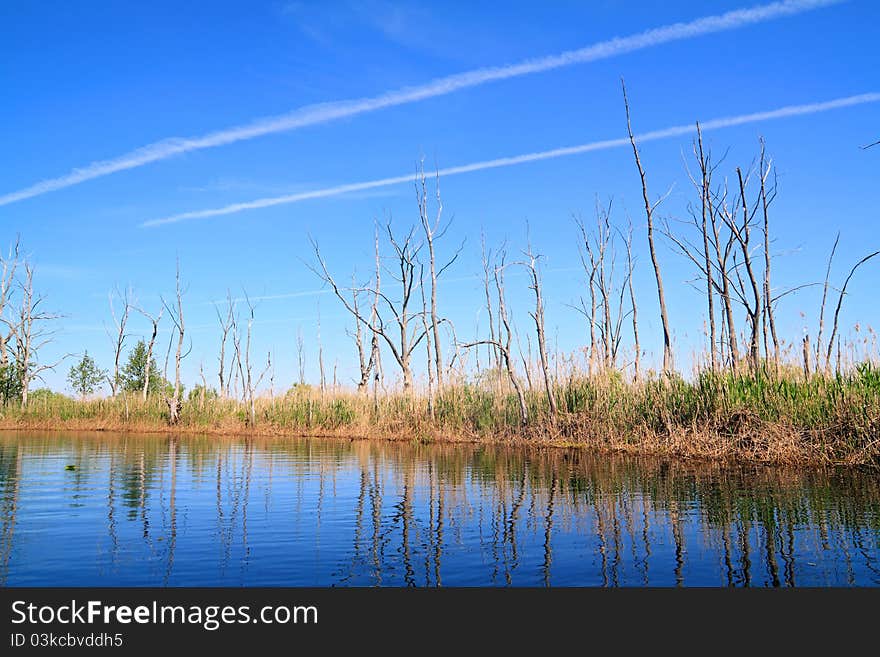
(783, 419)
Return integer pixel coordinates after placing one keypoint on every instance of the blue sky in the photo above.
(87, 82)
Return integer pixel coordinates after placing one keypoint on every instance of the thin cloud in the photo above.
(326, 112)
(665, 133)
(270, 297)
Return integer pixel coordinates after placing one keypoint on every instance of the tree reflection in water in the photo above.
(202, 511)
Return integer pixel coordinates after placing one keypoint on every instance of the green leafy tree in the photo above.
(132, 373)
(169, 388)
(10, 384)
(200, 393)
(44, 396)
(85, 376)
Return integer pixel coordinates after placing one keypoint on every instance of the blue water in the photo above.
(115, 510)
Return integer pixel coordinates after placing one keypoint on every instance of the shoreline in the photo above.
(775, 447)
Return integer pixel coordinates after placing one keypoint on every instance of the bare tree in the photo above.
(363, 357)
(604, 284)
(598, 253)
(323, 378)
(729, 241)
(374, 363)
(492, 343)
(630, 267)
(119, 336)
(649, 215)
(368, 362)
(154, 321)
(725, 258)
(33, 332)
(589, 262)
(537, 315)
(429, 352)
(204, 391)
(237, 361)
(753, 306)
(767, 197)
(402, 346)
(226, 322)
(505, 345)
(250, 382)
(175, 313)
(723, 250)
(705, 187)
(840, 303)
(505, 336)
(405, 261)
(300, 356)
(8, 267)
(528, 361)
(433, 231)
(824, 300)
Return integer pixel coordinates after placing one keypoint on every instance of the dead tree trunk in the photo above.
(300, 356)
(8, 266)
(806, 352)
(630, 266)
(604, 228)
(495, 370)
(154, 320)
(32, 333)
(840, 303)
(321, 357)
(599, 260)
(590, 259)
(732, 341)
(744, 238)
(430, 230)
(120, 335)
(705, 211)
(406, 263)
(407, 338)
(508, 360)
(363, 359)
(249, 382)
(538, 316)
(722, 256)
(649, 215)
(503, 341)
(225, 326)
(375, 350)
(175, 312)
(822, 305)
(766, 200)
(430, 368)
(368, 362)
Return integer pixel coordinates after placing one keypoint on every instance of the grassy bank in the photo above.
(789, 419)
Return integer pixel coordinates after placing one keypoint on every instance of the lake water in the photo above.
(117, 510)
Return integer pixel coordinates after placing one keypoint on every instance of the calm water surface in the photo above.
(120, 510)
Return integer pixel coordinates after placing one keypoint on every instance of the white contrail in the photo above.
(674, 131)
(269, 297)
(325, 112)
